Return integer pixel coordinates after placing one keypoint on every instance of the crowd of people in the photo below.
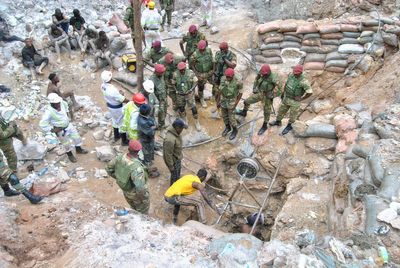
(136, 121)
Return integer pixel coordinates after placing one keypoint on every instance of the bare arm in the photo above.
(200, 187)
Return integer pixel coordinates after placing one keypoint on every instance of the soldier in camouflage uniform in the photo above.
(297, 88)
(156, 53)
(185, 82)
(131, 176)
(202, 63)
(8, 131)
(8, 176)
(228, 96)
(224, 58)
(168, 6)
(171, 62)
(191, 39)
(160, 91)
(263, 90)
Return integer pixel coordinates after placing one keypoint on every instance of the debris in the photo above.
(100, 173)
(47, 188)
(387, 215)
(33, 150)
(98, 135)
(305, 238)
(105, 153)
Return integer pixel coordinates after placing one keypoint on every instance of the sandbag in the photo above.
(390, 186)
(268, 27)
(288, 27)
(335, 69)
(392, 29)
(319, 50)
(320, 130)
(269, 60)
(287, 44)
(371, 212)
(371, 22)
(351, 34)
(119, 23)
(369, 28)
(313, 57)
(378, 39)
(126, 78)
(390, 39)
(312, 36)
(291, 38)
(329, 28)
(386, 20)
(348, 41)
(294, 34)
(365, 39)
(336, 63)
(332, 36)
(311, 42)
(117, 44)
(314, 65)
(271, 34)
(351, 49)
(270, 46)
(367, 33)
(275, 39)
(336, 56)
(330, 42)
(271, 53)
(349, 28)
(306, 28)
(47, 188)
(375, 163)
(374, 50)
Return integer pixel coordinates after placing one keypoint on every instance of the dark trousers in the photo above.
(176, 173)
(148, 150)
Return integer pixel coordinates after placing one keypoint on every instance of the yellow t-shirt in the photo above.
(183, 186)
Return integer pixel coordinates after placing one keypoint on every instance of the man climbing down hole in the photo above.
(8, 176)
(115, 100)
(55, 119)
(228, 96)
(250, 220)
(181, 193)
(263, 90)
(131, 176)
(297, 88)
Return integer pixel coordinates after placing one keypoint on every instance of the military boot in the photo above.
(275, 123)
(197, 124)
(80, 150)
(203, 103)
(71, 157)
(124, 139)
(226, 130)
(8, 191)
(287, 129)
(117, 136)
(234, 133)
(263, 129)
(242, 112)
(34, 199)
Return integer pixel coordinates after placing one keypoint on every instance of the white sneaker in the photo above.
(203, 103)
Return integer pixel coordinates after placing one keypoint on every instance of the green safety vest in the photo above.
(129, 109)
(203, 62)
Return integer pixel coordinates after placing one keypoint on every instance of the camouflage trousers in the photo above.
(202, 79)
(162, 110)
(168, 16)
(139, 201)
(188, 99)
(266, 101)
(228, 112)
(148, 151)
(188, 200)
(172, 94)
(5, 172)
(293, 106)
(9, 153)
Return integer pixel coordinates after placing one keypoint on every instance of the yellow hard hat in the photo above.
(151, 5)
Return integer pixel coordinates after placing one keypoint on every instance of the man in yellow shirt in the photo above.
(180, 193)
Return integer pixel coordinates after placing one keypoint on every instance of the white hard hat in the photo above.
(54, 98)
(148, 86)
(8, 113)
(106, 76)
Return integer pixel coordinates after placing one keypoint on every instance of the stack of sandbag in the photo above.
(311, 44)
(270, 43)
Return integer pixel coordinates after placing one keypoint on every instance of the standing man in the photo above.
(131, 176)
(8, 131)
(202, 63)
(131, 114)
(171, 66)
(151, 23)
(228, 96)
(167, 7)
(161, 93)
(55, 119)
(55, 87)
(192, 38)
(148, 92)
(8, 176)
(185, 82)
(115, 101)
(31, 59)
(206, 12)
(224, 59)
(181, 194)
(156, 53)
(263, 90)
(297, 88)
(172, 149)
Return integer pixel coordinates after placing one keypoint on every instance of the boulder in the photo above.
(117, 45)
(318, 106)
(105, 153)
(98, 135)
(33, 150)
